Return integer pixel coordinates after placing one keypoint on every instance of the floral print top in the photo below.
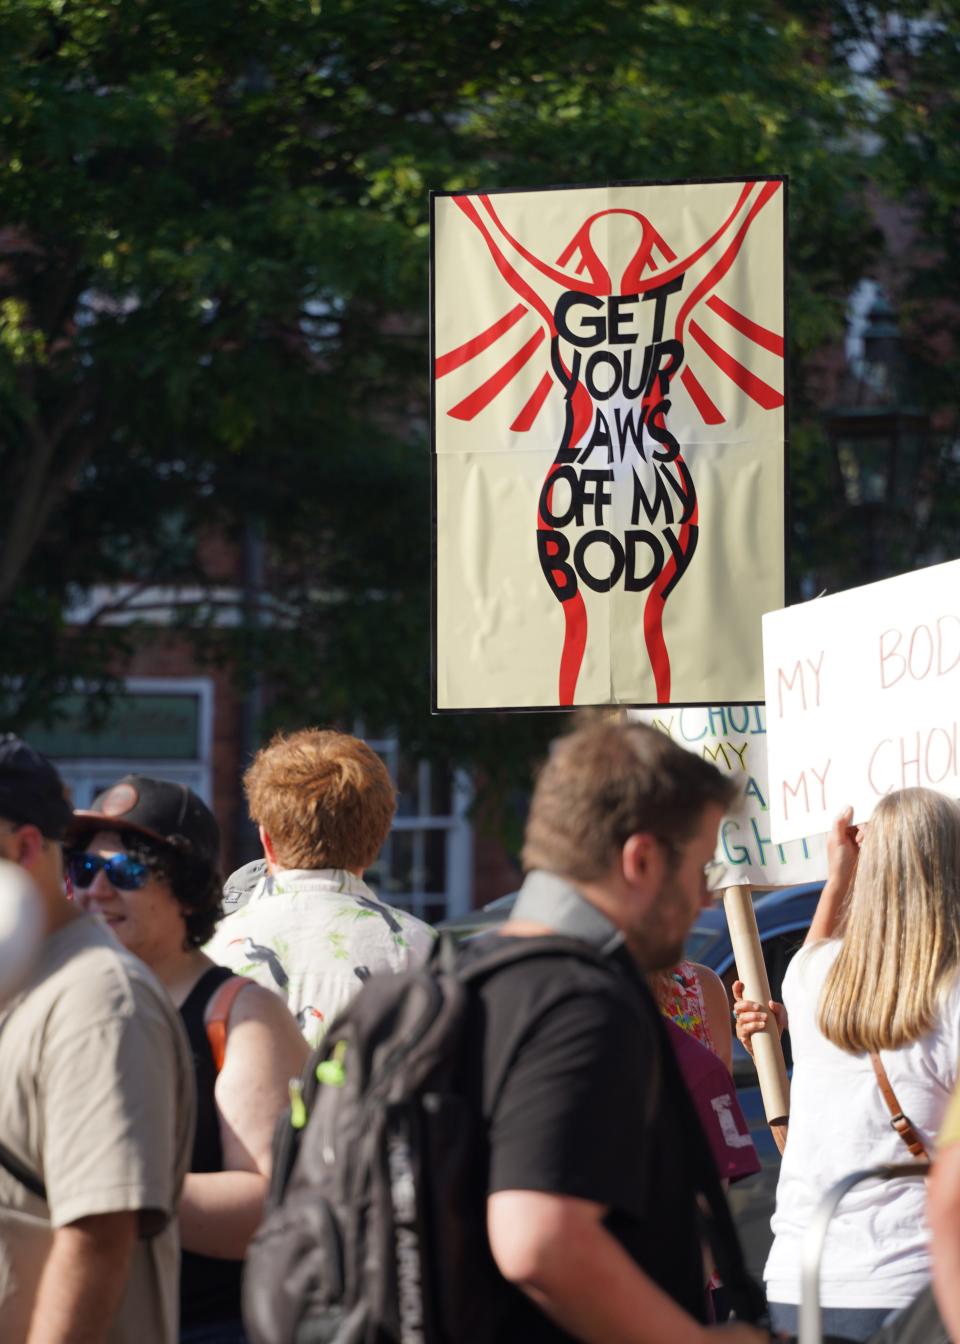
(680, 999)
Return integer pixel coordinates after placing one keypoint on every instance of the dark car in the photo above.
(783, 917)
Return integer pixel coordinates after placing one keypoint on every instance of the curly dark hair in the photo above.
(197, 887)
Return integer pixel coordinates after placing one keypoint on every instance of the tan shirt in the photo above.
(97, 1098)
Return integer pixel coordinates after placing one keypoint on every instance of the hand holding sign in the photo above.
(751, 968)
(753, 1017)
(843, 853)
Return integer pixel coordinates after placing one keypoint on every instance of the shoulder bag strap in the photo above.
(21, 1173)
(16, 1168)
(746, 1296)
(217, 1016)
(900, 1122)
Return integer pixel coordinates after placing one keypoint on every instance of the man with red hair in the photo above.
(313, 931)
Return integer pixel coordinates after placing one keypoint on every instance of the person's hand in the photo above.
(753, 1017)
(843, 850)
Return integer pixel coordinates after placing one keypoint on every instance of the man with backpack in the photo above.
(500, 1147)
(96, 1108)
(595, 1159)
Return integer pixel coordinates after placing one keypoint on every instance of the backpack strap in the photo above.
(10, 1162)
(511, 950)
(22, 1173)
(898, 1121)
(217, 1017)
(746, 1296)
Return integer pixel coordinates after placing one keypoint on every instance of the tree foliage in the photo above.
(908, 55)
(213, 288)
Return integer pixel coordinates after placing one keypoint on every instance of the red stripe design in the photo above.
(530, 412)
(683, 266)
(709, 414)
(512, 276)
(574, 611)
(483, 395)
(756, 389)
(759, 335)
(463, 353)
(653, 618)
(720, 268)
(654, 640)
(574, 643)
(598, 277)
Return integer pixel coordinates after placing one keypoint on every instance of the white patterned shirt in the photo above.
(313, 936)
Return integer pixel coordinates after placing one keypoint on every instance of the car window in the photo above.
(778, 952)
(698, 942)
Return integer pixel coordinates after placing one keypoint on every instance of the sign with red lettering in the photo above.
(734, 739)
(863, 697)
(609, 442)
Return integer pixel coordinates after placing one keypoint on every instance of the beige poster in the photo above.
(609, 440)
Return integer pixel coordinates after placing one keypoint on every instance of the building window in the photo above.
(156, 726)
(426, 865)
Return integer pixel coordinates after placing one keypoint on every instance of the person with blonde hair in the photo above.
(876, 982)
(313, 931)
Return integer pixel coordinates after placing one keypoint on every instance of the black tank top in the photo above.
(209, 1288)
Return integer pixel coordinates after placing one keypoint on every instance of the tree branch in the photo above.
(39, 490)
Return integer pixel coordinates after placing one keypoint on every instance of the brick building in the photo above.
(176, 719)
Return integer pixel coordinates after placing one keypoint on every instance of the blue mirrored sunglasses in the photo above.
(122, 872)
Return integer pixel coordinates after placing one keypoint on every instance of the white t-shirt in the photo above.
(876, 1251)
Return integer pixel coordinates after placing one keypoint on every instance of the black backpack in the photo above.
(375, 1230)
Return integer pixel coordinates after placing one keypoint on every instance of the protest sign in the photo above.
(734, 738)
(608, 430)
(863, 696)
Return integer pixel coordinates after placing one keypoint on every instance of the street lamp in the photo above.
(878, 439)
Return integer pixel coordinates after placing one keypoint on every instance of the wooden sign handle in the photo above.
(767, 1051)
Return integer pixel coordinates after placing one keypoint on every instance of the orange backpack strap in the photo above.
(217, 1016)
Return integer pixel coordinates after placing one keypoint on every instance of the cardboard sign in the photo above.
(734, 738)
(608, 429)
(863, 697)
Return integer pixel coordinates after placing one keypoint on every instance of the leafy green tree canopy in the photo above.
(213, 289)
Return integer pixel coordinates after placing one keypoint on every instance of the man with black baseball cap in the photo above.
(144, 858)
(159, 809)
(31, 791)
(96, 1110)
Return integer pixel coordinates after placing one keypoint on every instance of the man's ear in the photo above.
(642, 861)
(269, 853)
(27, 846)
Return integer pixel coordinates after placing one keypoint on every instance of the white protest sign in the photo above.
(863, 696)
(734, 738)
